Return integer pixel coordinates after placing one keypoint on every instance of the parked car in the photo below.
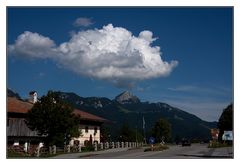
(186, 142)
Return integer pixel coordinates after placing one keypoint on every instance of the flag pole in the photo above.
(144, 133)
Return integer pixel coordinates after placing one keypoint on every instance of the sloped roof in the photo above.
(88, 116)
(17, 106)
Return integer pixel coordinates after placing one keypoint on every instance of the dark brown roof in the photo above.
(88, 116)
(17, 106)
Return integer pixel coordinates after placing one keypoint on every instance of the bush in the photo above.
(74, 149)
(158, 147)
(11, 153)
(216, 144)
(88, 148)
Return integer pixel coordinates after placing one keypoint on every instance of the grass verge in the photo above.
(157, 147)
(215, 144)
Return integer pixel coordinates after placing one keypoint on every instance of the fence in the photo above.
(93, 147)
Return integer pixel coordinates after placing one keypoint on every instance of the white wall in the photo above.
(86, 135)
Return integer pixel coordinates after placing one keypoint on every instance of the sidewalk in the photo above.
(86, 154)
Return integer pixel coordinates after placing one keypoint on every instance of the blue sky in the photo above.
(199, 40)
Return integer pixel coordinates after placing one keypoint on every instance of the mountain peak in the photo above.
(127, 97)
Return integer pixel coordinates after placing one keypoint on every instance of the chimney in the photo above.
(33, 97)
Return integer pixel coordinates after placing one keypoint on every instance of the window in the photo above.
(86, 129)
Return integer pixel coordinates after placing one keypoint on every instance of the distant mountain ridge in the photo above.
(11, 93)
(127, 108)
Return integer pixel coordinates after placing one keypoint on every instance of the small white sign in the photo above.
(228, 135)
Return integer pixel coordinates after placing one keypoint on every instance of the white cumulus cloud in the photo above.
(32, 45)
(110, 53)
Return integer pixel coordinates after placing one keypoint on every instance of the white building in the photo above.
(90, 128)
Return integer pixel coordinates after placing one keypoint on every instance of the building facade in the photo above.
(18, 134)
(90, 128)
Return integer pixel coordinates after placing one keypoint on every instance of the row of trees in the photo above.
(129, 134)
(160, 131)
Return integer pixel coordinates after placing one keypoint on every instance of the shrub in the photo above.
(88, 148)
(216, 144)
(157, 148)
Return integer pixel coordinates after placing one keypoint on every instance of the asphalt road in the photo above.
(196, 151)
(174, 152)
